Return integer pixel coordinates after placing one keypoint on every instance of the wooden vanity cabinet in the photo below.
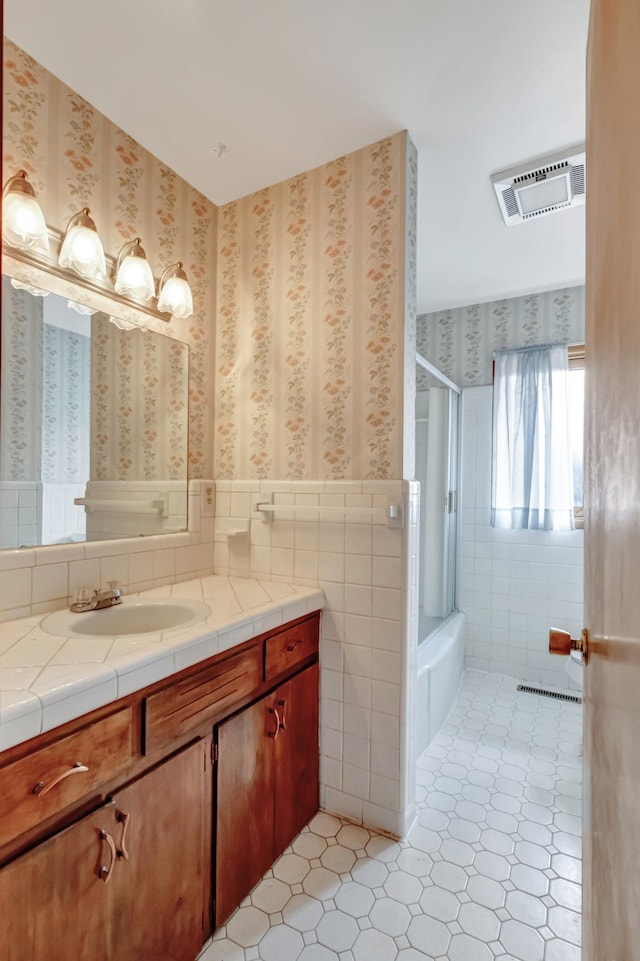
(44, 782)
(118, 831)
(125, 883)
(267, 785)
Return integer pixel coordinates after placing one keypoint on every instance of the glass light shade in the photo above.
(36, 291)
(122, 324)
(82, 249)
(175, 296)
(81, 308)
(134, 277)
(23, 223)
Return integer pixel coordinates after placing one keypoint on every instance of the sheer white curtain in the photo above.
(532, 483)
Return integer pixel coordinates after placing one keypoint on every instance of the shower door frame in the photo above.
(450, 529)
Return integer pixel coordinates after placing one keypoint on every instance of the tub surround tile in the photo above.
(512, 585)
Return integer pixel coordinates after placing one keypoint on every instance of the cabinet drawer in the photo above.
(45, 782)
(187, 704)
(290, 647)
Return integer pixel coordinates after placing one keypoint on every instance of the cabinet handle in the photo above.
(123, 818)
(274, 735)
(104, 872)
(41, 788)
(291, 646)
(283, 704)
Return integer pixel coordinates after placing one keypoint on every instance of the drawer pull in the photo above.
(275, 733)
(104, 872)
(41, 788)
(283, 704)
(123, 818)
(291, 646)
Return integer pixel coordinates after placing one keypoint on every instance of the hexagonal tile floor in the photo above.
(490, 871)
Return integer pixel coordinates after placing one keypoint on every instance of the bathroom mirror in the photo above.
(93, 424)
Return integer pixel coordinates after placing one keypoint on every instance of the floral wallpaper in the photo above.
(140, 403)
(310, 339)
(44, 399)
(313, 313)
(410, 310)
(66, 388)
(20, 385)
(75, 157)
(460, 342)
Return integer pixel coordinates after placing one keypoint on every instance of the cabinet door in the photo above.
(129, 882)
(297, 757)
(267, 785)
(56, 900)
(163, 874)
(244, 803)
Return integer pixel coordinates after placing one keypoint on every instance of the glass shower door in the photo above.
(437, 471)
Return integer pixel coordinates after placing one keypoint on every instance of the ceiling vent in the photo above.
(541, 186)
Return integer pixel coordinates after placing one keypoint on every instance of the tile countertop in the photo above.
(46, 680)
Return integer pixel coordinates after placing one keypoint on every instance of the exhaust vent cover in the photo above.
(542, 186)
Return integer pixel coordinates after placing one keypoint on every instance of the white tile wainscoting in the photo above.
(367, 568)
(19, 506)
(512, 585)
(36, 580)
(491, 870)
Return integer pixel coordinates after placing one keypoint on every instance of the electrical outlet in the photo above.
(207, 504)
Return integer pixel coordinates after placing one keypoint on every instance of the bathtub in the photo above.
(440, 667)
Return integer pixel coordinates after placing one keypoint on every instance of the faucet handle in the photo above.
(83, 595)
(114, 585)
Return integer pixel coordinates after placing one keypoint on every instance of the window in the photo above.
(533, 462)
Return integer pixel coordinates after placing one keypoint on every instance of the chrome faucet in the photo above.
(85, 600)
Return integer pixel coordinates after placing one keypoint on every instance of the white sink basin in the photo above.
(129, 617)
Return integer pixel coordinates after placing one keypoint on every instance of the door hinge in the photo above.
(452, 502)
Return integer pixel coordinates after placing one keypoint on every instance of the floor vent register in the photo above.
(526, 689)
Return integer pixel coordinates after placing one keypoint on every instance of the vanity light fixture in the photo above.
(23, 223)
(134, 277)
(82, 248)
(28, 239)
(174, 295)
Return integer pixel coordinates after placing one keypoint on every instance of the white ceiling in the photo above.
(289, 84)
